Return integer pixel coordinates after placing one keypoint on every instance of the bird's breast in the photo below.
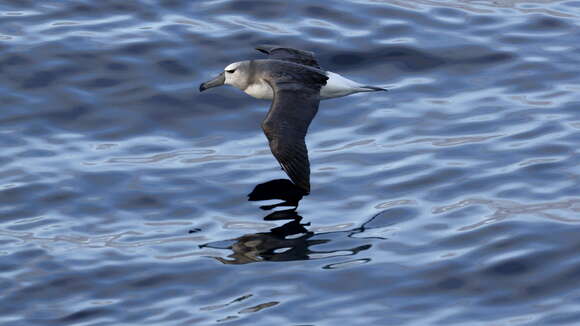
(260, 90)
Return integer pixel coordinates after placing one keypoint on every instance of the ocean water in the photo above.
(129, 198)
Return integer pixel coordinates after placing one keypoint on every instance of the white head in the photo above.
(238, 75)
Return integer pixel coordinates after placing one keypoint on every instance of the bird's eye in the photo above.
(231, 71)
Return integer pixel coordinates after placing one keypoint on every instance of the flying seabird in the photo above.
(295, 83)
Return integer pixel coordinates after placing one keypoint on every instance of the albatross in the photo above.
(295, 83)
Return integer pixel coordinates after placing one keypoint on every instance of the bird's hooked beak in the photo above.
(219, 80)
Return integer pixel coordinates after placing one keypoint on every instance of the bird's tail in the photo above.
(368, 88)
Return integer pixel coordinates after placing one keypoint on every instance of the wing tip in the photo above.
(269, 48)
(266, 48)
(304, 187)
(299, 176)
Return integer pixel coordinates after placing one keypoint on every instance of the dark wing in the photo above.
(288, 54)
(296, 98)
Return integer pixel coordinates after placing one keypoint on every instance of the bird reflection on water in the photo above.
(282, 189)
(291, 241)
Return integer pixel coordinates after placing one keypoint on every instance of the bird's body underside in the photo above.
(294, 82)
(336, 86)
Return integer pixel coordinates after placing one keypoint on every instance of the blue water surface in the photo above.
(453, 199)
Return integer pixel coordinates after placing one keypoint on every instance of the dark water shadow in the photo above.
(282, 189)
(293, 240)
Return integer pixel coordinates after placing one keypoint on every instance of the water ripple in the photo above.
(451, 199)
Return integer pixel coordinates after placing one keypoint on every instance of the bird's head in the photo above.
(235, 74)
